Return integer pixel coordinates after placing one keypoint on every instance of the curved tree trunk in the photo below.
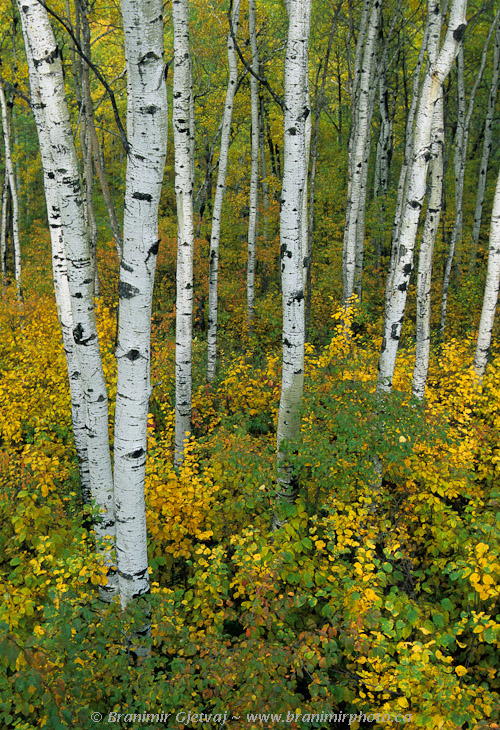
(396, 295)
(55, 135)
(291, 234)
(147, 137)
(213, 279)
(183, 130)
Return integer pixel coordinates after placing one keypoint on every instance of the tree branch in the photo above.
(95, 69)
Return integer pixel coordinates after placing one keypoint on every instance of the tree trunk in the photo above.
(429, 234)
(254, 170)
(183, 130)
(55, 135)
(9, 169)
(490, 290)
(359, 147)
(294, 176)
(487, 138)
(147, 137)
(461, 141)
(396, 295)
(213, 281)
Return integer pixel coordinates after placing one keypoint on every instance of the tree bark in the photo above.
(55, 135)
(490, 289)
(213, 280)
(254, 169)
(396, 295)
(359, 147)
(9, 169)
(147, 137)
(184, 166)
(291, 235)
(487, 138)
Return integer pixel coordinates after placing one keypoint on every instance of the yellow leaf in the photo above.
(460, 670)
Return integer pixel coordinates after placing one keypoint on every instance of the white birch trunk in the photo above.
(396, 296)
(291, 235)
(490, 290)
(9, 168)
(182, 123)
(487, 139)
(254, 169)
(403, 174)
(213, 279)
(147, 137)
(3, 227)
(358, 152)
(56, 137)
(424, 278)
(61, 290)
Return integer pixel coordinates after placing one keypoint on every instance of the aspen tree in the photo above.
(9, 172)
(55, 135)
(487, 140)
(490, 290)
(359, 147)
(461, 142)
(147, 139)
(213, 277)
(3, 226)
(183, 130)
(403, 260)
(431, 225)
(62, 293)
(254, 169)
(296, 112)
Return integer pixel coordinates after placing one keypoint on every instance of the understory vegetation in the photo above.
(373, 597)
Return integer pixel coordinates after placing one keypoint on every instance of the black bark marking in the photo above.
(101, 398)
(49, 58)
(142, 196)
(459, 32)
(127, 291)
(415, 204)
(125, 266)
(135, 454)
(292, 131)
(153, 251)
(403, 286)
(133, 355)
(78, 336)
(394, 332)
(407, 269)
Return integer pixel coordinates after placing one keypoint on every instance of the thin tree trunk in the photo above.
(490, 290)
(213, 281)
(461, 142)
(487, 139)
(55, 134)
(294, 176)
(183, 131)
(147, 137)
(254, 170)
(424, 278)
(3, 227)
(9, 168)
(404, 172)
(359, 147)
(314, 162)
(396, 296)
